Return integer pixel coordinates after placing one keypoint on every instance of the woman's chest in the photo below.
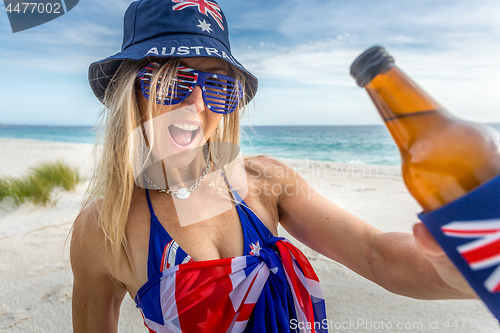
(221, 236)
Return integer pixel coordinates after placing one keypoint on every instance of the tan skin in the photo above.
(408, 264)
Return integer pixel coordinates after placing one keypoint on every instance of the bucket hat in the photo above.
(170, 29)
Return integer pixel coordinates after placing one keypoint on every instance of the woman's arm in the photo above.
(96, 294)
(393, 260)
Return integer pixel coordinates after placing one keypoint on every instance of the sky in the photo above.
(300, 51)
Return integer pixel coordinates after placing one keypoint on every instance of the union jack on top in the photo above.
(205, 7)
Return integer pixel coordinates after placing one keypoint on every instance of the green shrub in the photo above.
(4, 189)
(30, 189)
(39, 183)
(57, 174)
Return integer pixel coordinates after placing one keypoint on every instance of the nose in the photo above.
(196, 98)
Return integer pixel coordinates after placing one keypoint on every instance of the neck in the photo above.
(167, 174)
(184, 177)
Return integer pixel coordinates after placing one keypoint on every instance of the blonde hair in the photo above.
(113, 178)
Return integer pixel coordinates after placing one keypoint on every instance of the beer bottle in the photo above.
(450, 166)
(443, 157)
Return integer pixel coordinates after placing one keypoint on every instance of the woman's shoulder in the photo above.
(268, 168)
(266, 176)
(87, 227)
(88, 241)
(259, 164)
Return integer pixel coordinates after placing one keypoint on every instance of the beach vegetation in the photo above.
(57, 174)
(4, 189)
(37, 186)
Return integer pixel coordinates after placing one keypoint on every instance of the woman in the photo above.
(189, 230)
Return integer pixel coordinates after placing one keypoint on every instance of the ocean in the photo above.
(370, 144)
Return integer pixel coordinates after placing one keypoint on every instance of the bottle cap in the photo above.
(369, 63)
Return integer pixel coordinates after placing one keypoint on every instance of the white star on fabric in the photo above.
(204, 26)
(214, 76)
(255, 249)
(204, 89)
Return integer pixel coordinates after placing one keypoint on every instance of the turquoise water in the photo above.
(50, 133)
(358, 144)
(355, 144)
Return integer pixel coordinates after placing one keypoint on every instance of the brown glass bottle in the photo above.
(443, 157)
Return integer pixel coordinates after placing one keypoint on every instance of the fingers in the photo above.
(425, 241)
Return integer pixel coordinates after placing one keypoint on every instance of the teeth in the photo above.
(186, 127)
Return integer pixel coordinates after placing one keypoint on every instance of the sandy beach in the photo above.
(36, 278)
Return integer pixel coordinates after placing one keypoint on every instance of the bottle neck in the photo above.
(443, 157)
(407, 110)
(396, 95)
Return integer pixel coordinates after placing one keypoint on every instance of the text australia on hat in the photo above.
(188, 51)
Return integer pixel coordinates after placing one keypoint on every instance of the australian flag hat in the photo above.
(170, 28)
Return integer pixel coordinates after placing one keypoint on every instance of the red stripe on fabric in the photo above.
(163, 257)
(483, 252)
(303, 296)
(302, 260)
(245, 312)
(243, 307)
(483, 231)
(180, 7)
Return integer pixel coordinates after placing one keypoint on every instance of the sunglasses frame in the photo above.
(200, 79)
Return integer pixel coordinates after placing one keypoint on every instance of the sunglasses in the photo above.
(221, 93)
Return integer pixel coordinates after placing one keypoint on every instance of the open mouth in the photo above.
(183, 134)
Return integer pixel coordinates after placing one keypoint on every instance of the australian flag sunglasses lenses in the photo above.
(221, 93)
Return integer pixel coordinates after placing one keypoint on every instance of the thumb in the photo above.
(425, 242)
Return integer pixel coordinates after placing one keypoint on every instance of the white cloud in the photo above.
(318, 63)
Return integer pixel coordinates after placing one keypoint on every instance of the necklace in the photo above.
(182, 193)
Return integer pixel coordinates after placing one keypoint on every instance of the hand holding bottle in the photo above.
(440, 261)
(451, 167)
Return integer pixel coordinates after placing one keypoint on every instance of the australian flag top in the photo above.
(272, 288)
(266, 291)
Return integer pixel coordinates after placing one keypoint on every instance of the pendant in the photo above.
(182, 193)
